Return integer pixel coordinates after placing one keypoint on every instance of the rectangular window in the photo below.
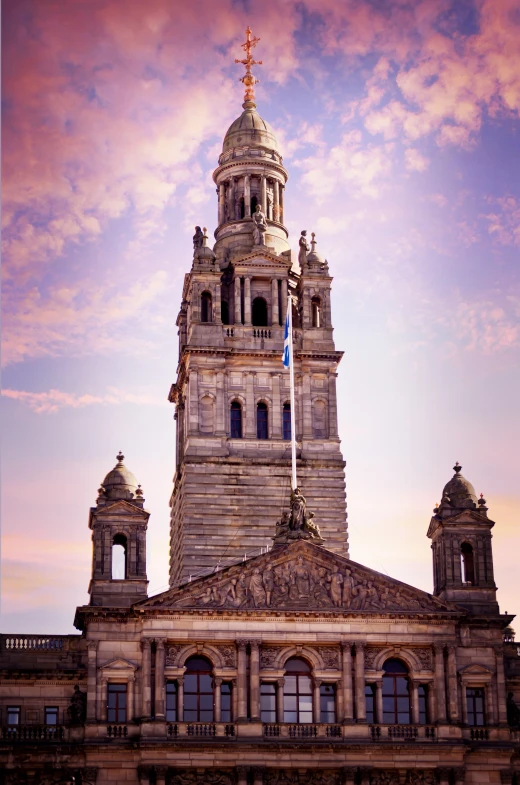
(13, 715)
(171, 701)
(423, 704)
(116, 703)
(475, 703)
(327, 703)
(51, 715)
(225, 702)
(287, 422)
(268, 702)
(370, 703)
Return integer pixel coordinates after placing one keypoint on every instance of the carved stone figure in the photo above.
(298, 510)
(301, 578)
(360, 595)
(304, 249)
(384, 778)
(348, 586)
(259, 226)
(256, 587)
(77, 710)
(419, 777)
(373, 597)
(336, 582)
(198, 238)
(268, 581)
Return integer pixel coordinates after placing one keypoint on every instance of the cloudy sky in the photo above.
(399, 125)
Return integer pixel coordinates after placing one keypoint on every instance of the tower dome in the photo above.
(459, 491)
(120, 483)
(250, 130)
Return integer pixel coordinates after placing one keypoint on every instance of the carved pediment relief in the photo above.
(299, 576)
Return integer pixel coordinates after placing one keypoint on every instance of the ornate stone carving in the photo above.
(425, 658)
(420, 777)
(384, 777)
(310, 777)
(228, 654)
(304, 249)
(172, 652)
(298, 524)
(198, 238)
(329, 656)
(202, 777)
(259, 226)
(370, 656)
(77, 710)
(268, 655)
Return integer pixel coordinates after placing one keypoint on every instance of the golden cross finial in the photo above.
(248, 79)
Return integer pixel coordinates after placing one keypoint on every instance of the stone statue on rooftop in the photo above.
(259, 226)
(198, 238)
(304, 248)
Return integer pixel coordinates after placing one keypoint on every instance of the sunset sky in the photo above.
(399, 126)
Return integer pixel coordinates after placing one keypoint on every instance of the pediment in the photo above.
(261, 256)
(299, 576)
(476, 669)
(118, 664)
(120, 507)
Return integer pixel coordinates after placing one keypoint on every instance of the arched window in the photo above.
(119, 557)
(259, 312)
(205, 307)
(320, 426)
(286, 421)
(236, 420)
(254, 202)
(206, 414)
(198, 690)
(467, 563)
(261, 421)
(396, 693)
(224, 312)
(297, 691)
(242, 207)
(316, 311)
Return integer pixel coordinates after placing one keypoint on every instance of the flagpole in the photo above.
(294, 483)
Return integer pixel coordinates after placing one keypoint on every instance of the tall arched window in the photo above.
(119, 565)
(254, 202)
(259, 312)
(205, 307)
(261, 421)
(286, 421)
(467, 563)
(224, 312)
(396, 693)
(319, 417)
(316, 311)
(236, 420)
(297, 691)
(198, 690)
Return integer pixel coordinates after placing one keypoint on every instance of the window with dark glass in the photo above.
(268, 702)
(475, 703)
(287, 421)
(225, 702)
(423, 704)
(261, 421)
(327, 703)
(116, 703)
(259, 312)
(171, 701)
(297, 692)
(51, 715)
(370, 702)
(396, 693)
(13, 715)
(236, 420)
(316, 312)
(198, 690)
(205, 307)
(468, 567)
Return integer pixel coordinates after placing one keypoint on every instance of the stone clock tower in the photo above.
(232, 478)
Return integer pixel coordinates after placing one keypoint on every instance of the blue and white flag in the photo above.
(286, 344)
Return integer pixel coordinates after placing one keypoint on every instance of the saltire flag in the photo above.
(286, 359)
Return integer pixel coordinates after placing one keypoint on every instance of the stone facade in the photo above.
(295, 665)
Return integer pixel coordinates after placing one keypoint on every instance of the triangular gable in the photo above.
(299, 576)
(118, 664)
(261, 256)
(120, 507)
(475, 669)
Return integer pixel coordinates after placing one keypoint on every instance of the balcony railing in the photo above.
(33, 733)
(33, 643)
(200, 730)
(402, 732)
(479, 734)
(117, 731)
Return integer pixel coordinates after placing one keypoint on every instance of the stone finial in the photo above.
(436, 508)
(457, 468)
(313, 242)
(139, 492)
(120, 457)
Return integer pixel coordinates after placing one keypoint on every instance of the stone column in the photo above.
(501, 686)
(274, 297)
(130, 700)
(464, 705)
(276, 418)
(234, 698)
(242, 775)
(247, 300)
(242, 681)
(146, 679)
(217, 315)
(92, 681)
(231, 199)
(281, 197)
(103, 698)
(348, 775)
(490, 707)
(452, 684)
(440, 684)
(159, 679)
(250, 429)
(415, 701)
(284, 299)
(144, 775)
(340, 704)
(247, 196)
(160, 775)
(379, 702)
(220, 428)
(333, 407)
(347, 683)
(194, 401)
(221, 202)
(279, 699)
(430, 698)
(360, 682)
(180, 699)
(263, 191)
(238, 301)
(316, 700)
(254, 681)
(217, 683)
(276, 198)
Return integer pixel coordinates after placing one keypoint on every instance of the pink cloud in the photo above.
(54, 400)
(415, 161)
